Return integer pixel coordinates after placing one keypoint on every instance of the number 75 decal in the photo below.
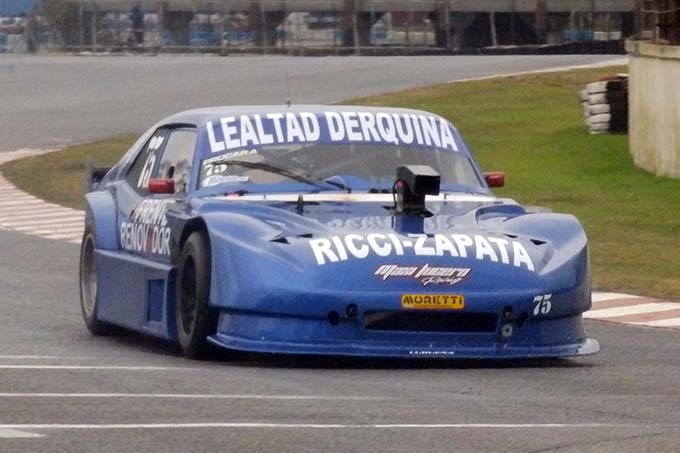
(542, 304)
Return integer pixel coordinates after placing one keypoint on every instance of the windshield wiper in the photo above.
(308, 179)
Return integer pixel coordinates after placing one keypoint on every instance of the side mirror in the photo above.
(162, 186)
(495, 178)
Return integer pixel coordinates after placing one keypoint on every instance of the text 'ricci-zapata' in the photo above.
(359, 246)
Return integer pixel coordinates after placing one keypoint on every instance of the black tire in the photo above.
(194, 317)
(89, 287)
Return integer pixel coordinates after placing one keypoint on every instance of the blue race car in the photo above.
(327, 230)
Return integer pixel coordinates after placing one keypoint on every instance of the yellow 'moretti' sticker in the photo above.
(433, 301)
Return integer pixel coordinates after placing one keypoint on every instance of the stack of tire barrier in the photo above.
(605, 105)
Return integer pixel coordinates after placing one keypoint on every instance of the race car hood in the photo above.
(356, 242)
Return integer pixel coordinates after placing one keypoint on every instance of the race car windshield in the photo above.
(343, 166)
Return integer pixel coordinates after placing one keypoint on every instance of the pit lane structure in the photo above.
(457, 23)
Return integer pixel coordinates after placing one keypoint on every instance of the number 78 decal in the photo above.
(542, 304)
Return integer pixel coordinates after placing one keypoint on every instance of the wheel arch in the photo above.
(192, 225)
(100, 217)
(221, 235)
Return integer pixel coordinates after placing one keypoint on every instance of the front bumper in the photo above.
(559, 337)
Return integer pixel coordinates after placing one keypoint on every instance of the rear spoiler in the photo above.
(93, 175)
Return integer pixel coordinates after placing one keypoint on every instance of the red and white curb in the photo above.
(24, 213)
(27, 214)
(635, 310)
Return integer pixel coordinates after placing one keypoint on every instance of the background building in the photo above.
(654, 93)
(443, 24)
(12, 8)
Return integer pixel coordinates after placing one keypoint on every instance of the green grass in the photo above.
(60, 177)
(531, 127)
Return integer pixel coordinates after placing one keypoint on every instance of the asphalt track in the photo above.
(63, 390)
(52, 101)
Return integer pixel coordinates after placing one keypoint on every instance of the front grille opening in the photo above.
(431, 321)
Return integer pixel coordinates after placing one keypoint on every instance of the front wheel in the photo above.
(194, 317)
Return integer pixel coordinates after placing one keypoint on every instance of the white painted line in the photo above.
(56, 221)
(36, 211)
(65, 229)
(70, 232)
(73, 230)
(603, 64)
(53, 236)
(21, 201)
(72, 236)
(317, 426)
(672, 322)
(6, 433)
(9, 210)
(22, 229)
(601, 297)
(42, 357)
(98, 367)
(62, 217)
(69, 223)
(34, 203)
(49, 229)
(191, 396)
(38, 214)
(75, 241)
(32, 212)
(631, 310)
(20, 198)
(56, 227)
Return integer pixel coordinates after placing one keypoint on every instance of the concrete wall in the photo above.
(654, 97)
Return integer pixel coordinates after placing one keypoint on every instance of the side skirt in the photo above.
(136, 293)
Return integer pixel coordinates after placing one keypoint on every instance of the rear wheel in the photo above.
(88, 286)
(194, 317)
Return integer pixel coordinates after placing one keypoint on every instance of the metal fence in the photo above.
(662, 20)
(82, 26)
(222, 26)
(234, 32)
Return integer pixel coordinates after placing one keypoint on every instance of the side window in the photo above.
(140, 172)
(177, 159)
